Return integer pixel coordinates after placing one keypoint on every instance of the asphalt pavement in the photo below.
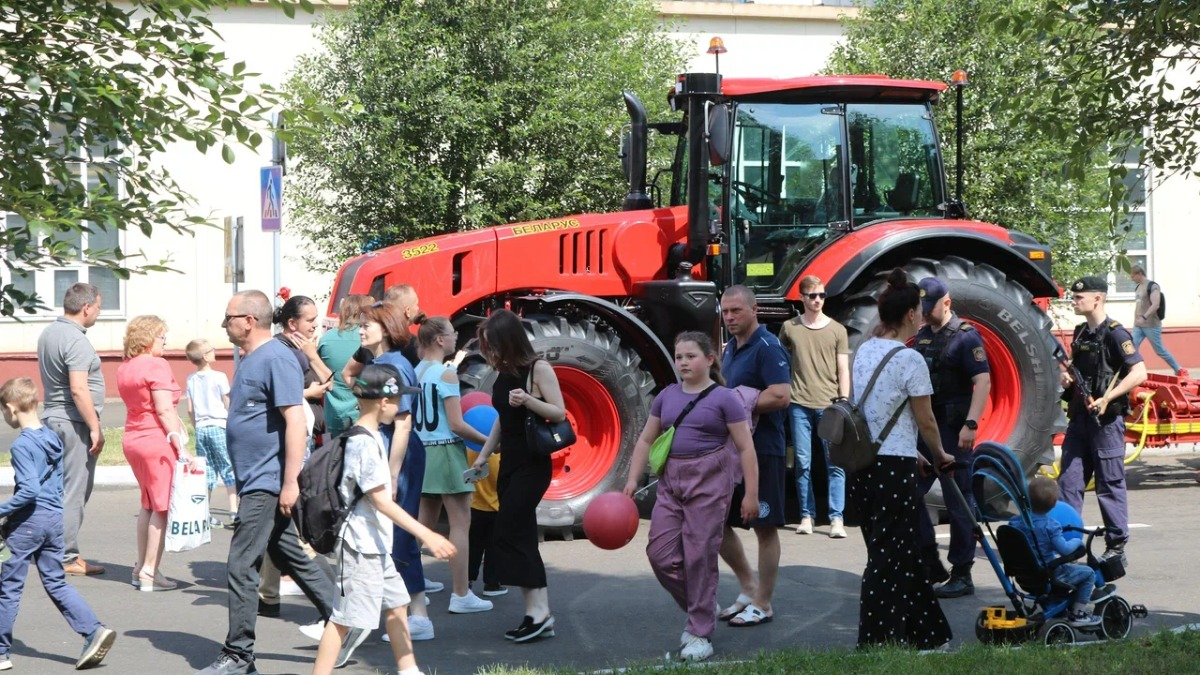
(609, 609)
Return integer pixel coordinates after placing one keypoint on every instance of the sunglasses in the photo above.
(814, 296)
(230, 317)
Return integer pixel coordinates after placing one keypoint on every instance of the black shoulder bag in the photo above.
(541, 435)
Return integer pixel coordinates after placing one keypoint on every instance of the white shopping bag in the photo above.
(187, 519)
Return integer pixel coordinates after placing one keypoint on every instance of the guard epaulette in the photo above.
(966, 326)
(1114, 324)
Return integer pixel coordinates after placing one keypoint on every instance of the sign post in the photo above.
(271, 198)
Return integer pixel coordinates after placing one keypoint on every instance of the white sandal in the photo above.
(743, 601)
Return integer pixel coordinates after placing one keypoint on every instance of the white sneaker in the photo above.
(468, 604)
(289, 587)
(836, 529)
(805, 526)
(419, 628)
(696, 648)
(314, 630)
(434, 586)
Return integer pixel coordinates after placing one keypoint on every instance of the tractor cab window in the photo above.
(785, 188)
(895, 170)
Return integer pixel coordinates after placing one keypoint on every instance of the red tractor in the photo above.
(772, 179)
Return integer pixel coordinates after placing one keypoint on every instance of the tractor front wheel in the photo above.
(607, 395)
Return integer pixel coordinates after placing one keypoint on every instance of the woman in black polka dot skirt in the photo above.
(896, 604)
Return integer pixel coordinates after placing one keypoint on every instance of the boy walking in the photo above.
(368, 577)
(34, 528)
(208, 404)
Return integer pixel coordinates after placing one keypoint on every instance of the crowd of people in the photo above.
(394, 400)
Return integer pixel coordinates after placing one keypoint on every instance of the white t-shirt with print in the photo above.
(906, 375)
(365, 466)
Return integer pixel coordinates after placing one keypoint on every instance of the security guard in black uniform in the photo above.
(1102, 352)
(958, 368)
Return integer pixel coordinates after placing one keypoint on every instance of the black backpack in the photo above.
(1162, 298)
(320, 512)
(844, 426)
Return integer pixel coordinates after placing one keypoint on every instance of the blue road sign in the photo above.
(271, 192)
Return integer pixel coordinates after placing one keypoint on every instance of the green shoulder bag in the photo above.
(661, 447)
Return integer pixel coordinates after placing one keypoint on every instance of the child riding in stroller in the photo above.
(1033, 558)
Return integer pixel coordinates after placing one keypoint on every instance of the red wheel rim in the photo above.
(593, 414)
(1002, 413)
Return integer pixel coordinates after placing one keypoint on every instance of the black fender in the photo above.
(897, 249)
(658, 360)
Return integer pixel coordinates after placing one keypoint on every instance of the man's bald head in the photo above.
(256, 304)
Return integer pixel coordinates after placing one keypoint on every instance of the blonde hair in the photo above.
(351, 309)
(21, 392)
(141, 333)
(195, 351)
(431, 328)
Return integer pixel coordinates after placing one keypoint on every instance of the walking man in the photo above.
(1103, 353)
(820, 355)
(1146, 320)
(73, 387)
(958, 369)
(266, 433)
(755, 358)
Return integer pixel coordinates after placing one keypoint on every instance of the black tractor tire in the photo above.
(591, 362)
(1002, 309)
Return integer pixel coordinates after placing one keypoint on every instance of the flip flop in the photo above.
(751, 616)
(743, 601)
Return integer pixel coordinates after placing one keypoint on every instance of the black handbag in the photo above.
(543, 436)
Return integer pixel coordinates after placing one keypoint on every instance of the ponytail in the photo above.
(897, 299)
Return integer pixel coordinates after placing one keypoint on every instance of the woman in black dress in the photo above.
(524, 474)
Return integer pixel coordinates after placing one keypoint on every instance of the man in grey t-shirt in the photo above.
(1146, 323)
(73, 392)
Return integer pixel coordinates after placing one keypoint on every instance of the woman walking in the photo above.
(896, 603)
(153, 440)
(696, 484)
(524, 474)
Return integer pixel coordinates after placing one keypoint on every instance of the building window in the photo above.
(79, 246)
(1135, 224)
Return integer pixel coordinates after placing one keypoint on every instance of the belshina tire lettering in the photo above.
(1004, 314)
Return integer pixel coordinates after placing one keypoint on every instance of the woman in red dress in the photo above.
(154, 440)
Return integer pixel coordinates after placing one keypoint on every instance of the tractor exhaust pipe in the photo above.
(697, 90)
(635, 155)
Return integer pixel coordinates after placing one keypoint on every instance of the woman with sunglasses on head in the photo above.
(154, 439)
(384, 333)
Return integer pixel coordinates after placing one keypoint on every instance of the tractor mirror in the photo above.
(720, 134)
(626, 160)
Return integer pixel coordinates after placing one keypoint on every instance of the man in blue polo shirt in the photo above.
(755, 358)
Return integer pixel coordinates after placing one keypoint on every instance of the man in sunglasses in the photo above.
(820, 352)
(958, 368)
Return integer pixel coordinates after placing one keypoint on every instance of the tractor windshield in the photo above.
(788, 169)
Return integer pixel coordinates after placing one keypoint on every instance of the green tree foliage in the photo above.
(1016, 170)
(109, 85)
(465, 114)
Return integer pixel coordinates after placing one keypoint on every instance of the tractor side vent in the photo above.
(582, 252)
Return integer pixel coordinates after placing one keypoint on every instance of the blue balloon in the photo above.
(481, 418)
(1065, 515)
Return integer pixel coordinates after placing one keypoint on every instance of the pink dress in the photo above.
(145, 444)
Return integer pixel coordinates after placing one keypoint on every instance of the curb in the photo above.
(106, 476)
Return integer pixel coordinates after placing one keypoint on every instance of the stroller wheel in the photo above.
(1116, 618)
(1058, 632)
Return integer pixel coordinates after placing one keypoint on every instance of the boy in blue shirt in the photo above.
(1047, 538)
(34, 528)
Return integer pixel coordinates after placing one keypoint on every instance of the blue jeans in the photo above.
(804, 422)
(1155, 337)
(1082, 577)
(39, 539)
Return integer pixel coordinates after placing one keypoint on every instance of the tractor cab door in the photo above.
(895, 166)
(784, 190)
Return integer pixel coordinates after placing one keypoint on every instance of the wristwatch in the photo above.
(971, 424)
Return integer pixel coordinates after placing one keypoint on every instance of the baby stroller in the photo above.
(1039, 601)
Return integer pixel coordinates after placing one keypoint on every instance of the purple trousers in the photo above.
(1092, 449)
(686, 528)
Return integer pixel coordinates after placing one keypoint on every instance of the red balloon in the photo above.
(474, 398)
(611, 520)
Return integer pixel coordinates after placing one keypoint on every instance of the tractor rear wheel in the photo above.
(607, 396)
(1023, 410)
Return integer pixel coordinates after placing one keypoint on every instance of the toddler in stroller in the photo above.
(1032, 557)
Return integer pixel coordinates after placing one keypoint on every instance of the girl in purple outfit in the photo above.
(696, 485)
